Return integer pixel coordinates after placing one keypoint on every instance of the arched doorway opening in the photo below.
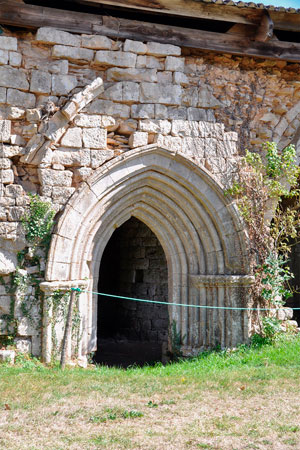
(198, 227)
(133, 265)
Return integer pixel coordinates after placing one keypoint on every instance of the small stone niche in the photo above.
(133, 265)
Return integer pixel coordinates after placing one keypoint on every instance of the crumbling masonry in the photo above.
(110, 129)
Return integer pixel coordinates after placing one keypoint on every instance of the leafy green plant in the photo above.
(257, 340)
(113, 414)
(276, 169)
(271, 326)
(20, 280)
(152, 404)
(6, 341)
(90, 357)
(132, 414)
(275, 274)
(265, 182)
(97, 419)
(38, 222)
(27, 362)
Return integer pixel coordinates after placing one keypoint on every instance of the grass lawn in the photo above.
(246, 399)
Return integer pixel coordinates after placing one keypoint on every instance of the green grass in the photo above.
(246, 398)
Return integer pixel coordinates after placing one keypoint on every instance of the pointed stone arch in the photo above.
(198, 227)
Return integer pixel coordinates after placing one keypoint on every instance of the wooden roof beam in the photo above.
(187, 8)
(27, 16)
(265, 29)
(30, 16)
(192, 8)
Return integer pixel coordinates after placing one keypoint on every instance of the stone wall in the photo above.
(70, 103)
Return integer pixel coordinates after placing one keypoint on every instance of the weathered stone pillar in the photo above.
(49, 287)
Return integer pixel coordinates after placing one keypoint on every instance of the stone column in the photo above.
(48, 287)
(218, 323)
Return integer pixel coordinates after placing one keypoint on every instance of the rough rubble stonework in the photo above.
(106, 98)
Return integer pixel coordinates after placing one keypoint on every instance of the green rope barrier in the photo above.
(177, 304)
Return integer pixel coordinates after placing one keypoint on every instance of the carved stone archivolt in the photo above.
(198, 228)
(199, 281)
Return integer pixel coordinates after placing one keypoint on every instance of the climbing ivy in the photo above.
(24, 287)
(38, 222)
(268, 181)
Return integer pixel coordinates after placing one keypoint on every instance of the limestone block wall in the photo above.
(69, 103)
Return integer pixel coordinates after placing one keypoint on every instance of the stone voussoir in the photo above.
(81, 99)
(56, 127)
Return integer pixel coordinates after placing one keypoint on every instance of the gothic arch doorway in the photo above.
(133, 265)
(199, 230)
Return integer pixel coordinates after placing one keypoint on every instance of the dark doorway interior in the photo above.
(133, 265)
